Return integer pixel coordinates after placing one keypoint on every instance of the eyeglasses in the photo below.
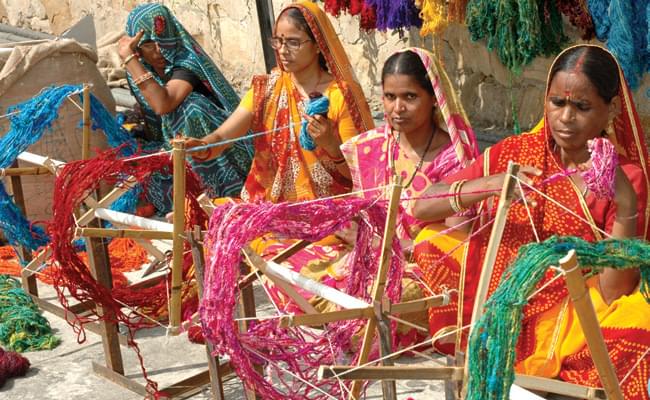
(290, 44)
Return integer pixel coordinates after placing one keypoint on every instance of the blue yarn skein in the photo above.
(315, 106)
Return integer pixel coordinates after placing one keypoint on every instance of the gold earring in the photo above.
(610, 128)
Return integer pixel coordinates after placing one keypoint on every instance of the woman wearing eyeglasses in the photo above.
(182, 92)
(310, 60)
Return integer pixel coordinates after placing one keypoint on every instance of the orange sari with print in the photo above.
(551, 343)
(282, 170)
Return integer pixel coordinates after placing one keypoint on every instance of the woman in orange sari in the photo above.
(311, 60)
(586, 97)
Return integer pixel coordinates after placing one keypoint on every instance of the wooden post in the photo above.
(178, 154)
(265, 21)
(247, 310)
(28, 280)
(101, 270)
(589, 322)
(500, 220)
(85, 149)
(216, 379)
(388, 387)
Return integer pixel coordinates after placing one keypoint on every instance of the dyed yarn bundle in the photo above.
(22, 327)
(31, 121)
(624, 25)
(600, 178)
(496, 333)
(298, 350)
(518, 30)
(395, 14)
(579, 16)
(316, 106)
(11, 365)
(73, 184)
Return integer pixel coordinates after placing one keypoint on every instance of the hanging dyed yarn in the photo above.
(317, 105)
(518, 30)
(579, 16)
(12, 365)
(73, 184)
(368, 17)
(456, 10)
(297, 349)
(395, 14)
(22, 327)
(336, 7)
(433, 14)
(495, 335)
(623, 25)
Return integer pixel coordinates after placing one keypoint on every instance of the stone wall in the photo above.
(228, 30)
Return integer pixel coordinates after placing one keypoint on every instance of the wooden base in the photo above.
(559, 387)
(391, 373)
(183, 388)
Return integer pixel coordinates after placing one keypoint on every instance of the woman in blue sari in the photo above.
(181, 92)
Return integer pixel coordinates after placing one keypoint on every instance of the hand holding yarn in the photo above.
(316, 127)
(201, 155)
(599, 173)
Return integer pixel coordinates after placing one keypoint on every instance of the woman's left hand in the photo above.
(321, 129)
(128, 45)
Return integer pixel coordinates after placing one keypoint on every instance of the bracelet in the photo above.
(143, 78)
(339, 160)
(633, 216)
(454, 196)
(128, 58)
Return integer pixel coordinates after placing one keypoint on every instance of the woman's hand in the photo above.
(525, 175)
(321, 129)
(128, 45)
(202, 155)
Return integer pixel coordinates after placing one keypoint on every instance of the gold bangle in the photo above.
(459, 187)
(141, 79)
(633, 216)
(452, 196)
(128, 58)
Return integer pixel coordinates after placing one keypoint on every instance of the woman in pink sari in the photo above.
(426, 137)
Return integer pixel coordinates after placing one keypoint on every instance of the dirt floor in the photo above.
(66, 372)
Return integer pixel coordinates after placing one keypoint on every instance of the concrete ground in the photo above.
(66, 371)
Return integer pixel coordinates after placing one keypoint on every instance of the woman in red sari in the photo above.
(586, 97)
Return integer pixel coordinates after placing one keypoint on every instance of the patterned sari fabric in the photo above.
(282, 170)
(197, 115)
(551, 342)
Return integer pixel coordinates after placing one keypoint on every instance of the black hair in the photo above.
(597, 64)
(407, 63)
(295, 15)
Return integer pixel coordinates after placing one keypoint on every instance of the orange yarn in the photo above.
(9, 261)
(124, 254)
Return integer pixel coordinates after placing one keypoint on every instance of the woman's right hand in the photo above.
(525, 175)
(128, 45)
(202, 155)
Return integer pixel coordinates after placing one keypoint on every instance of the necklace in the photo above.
(303, 93)
(420, 162)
